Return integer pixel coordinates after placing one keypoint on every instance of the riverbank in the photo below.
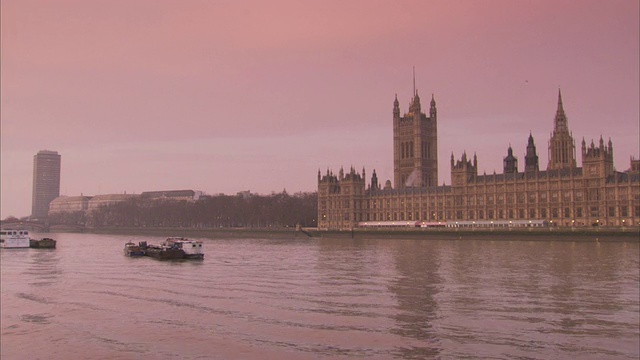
(545, 234)
(233, 233)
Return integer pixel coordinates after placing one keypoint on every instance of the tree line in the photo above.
(277, 210)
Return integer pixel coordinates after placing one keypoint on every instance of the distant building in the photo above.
(91, 203)
(46, 182)
(105, 200)
(563, 195)
(635, 165)
(244, 194)
(415, 145)
(69, 204)
(172, 195)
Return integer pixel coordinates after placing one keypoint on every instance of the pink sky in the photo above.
(225, 96)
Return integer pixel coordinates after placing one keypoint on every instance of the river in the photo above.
(323, 299)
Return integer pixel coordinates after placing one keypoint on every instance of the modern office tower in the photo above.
(46, 182)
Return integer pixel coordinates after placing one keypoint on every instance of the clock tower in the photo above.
(415, 144)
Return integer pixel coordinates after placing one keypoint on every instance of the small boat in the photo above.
(133, 250)
(192, 248)
(44, 243)
(164, 252)
(10, 238)
(161, 252)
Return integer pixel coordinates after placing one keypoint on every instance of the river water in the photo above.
(323, 299)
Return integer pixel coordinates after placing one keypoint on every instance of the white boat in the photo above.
(192, 248)
(10, 238)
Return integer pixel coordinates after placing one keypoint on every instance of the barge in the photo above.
(173, 248)
(44, 243)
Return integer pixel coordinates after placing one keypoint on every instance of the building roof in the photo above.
(168, 193)
(547, 174)
(65, 198)
(413, 190)
(113, 197)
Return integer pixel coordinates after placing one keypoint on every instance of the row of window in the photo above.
(501, 214)
(346, 204)
(530, 198)
(407, 150)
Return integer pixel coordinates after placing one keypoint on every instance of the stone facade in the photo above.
(172, 195)
(91, 203)
(562, 195)
(69, 204)
(415, 145)
(105, 200)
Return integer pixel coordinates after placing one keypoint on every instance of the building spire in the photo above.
(560, 108)
(561, 144)
(531, 157)
(414, 81)
(560, 122)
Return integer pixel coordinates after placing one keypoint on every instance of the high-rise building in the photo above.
(46, 182)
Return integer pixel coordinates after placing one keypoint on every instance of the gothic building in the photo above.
(562, 148)
(415, 145)
(562, 195)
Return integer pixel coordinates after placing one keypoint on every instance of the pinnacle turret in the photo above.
(531, 157)
(560, 108)
(560, 122)
(561, 144)
(510, 162)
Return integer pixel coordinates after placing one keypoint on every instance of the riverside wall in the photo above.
(529, 234)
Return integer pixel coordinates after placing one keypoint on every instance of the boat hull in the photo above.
(192, 248)
(45, 243)
(165, 253)
(14, 239)
(134, 253)
(18, 244)
(133, 250)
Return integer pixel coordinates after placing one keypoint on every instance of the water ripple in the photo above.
(325, 299)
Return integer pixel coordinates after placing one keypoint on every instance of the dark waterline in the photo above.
(311, 298)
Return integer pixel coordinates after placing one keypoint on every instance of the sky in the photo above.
(229, 96)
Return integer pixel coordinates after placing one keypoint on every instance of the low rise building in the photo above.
(110, 199)
(172, 195)
(69, 204)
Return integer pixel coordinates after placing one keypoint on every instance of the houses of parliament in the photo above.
(564, 194)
